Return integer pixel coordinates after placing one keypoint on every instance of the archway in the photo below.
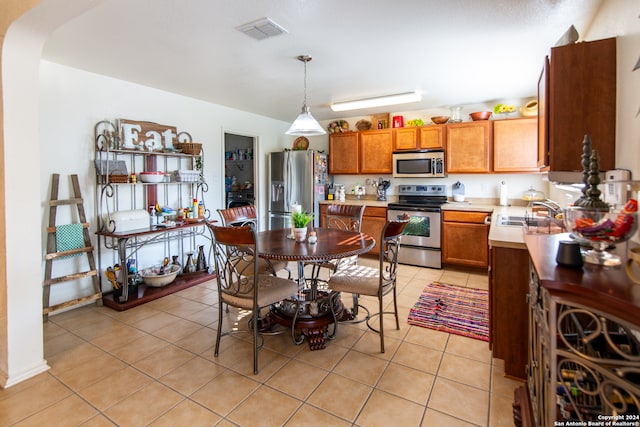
(25, 27)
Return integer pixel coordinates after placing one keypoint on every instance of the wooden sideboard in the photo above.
(584, 342)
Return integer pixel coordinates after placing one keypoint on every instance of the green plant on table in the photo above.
(301, 219)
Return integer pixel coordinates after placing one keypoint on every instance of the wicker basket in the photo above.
(116, 179)
(192, 148)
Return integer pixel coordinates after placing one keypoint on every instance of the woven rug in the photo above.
(453, 309)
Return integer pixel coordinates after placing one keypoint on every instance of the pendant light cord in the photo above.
(305, 59)
(305, 82)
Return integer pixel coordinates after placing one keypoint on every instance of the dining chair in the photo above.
(376, 282)
(243, 215)
(345, 217)
(241, 283)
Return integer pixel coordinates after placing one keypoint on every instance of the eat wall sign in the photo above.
(148, 136)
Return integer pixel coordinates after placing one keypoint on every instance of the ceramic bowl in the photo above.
(151, 276)
(152, 177)
(480, 115)
(529, 109)
(440, 119)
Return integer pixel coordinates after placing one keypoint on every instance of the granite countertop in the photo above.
(368, 200)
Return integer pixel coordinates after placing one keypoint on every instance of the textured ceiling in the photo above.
(453, 51)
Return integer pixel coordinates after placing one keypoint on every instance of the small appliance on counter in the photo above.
(123, 221)
(457, 191)
(616, 190)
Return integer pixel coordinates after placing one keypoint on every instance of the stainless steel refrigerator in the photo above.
(300, 177)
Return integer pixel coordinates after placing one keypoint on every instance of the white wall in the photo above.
(73, 101)
(621, 19)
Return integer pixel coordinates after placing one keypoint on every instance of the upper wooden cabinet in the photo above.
(469, 147)
(581, 100)
(418, 138)
(344, 153)
(376, 148)
(515, 146)
(361, 152)
(405, 139)
(431, 137)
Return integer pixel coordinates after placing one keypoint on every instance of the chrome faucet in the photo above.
(553, 208)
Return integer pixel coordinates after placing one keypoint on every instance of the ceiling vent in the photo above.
(262, 29)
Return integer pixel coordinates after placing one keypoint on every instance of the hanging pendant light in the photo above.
(305, 124)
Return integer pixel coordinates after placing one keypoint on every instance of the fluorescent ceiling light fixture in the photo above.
(305, 124)
(379, 101)
(262, 29)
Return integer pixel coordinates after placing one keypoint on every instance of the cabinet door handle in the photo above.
(487, 220)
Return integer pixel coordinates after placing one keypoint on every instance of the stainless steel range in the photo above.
(421, 240)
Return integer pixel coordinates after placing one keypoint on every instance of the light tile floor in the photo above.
(154, 366)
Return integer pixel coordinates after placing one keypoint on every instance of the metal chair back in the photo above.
(239, 215)
(346, 217)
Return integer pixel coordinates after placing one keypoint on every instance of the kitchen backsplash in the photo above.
(476, 185)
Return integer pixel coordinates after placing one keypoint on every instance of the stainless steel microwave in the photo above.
(427, 164)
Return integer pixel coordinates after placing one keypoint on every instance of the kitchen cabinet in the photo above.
(581, 99)
(376, 148)
(431, 137)
(465, 238)
(124, 226)
(468, 147)
(418, 138)
(344, 153)
(508, 309)
(583, 347)
(361, 152)
(406, 139)
(373, 221)
(515, 145)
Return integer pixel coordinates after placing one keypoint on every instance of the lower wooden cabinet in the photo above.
(373, 222)
(508, 309)
(465, 238)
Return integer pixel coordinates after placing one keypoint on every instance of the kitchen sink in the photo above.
(533, 225)
(511, 221)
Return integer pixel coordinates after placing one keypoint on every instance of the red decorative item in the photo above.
(398, 121)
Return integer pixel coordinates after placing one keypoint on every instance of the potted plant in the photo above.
(300, 221)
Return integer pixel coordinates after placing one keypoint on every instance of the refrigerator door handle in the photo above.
(276, 192)
(287, 181)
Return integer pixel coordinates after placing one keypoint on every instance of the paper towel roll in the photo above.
(503, 194)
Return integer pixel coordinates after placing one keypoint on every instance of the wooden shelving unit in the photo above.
(145, 293)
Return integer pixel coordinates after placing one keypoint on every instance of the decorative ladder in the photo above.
(53, 255)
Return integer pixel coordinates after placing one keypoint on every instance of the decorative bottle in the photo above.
(194, 208)
(200, 209)
(188, 265)
(201, 262)
(175, 261)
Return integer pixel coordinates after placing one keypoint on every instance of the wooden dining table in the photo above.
(310, 311)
